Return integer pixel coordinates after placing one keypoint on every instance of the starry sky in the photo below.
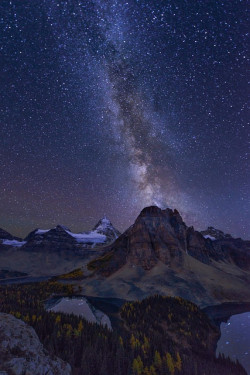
(110, 106)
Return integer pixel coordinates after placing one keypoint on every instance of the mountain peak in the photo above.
(105, 221)
(104, 226)
(159, 235)
(155, 211)
(215, 234)
(151, 211)
(61, 227)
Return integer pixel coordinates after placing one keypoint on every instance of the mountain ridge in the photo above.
(160, 254)
(162, 235)
(62, 238)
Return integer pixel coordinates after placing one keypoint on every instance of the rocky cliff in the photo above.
(21, 352)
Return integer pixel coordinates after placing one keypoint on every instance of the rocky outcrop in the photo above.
(162, 235)
(21, 352)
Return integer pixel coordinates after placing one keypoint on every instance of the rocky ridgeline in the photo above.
(215, 234)
(21, 352)
(156, 235)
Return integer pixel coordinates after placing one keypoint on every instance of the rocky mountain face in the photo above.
(235, 251)
(21, 351)
(160, 254)
(161, 235)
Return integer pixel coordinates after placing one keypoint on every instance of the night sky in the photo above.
(109, 106)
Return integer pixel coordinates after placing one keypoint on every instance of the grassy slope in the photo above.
(198, 282)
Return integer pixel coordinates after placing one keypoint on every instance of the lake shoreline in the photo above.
(222, 312)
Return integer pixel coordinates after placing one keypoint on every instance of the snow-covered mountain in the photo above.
(160, 254)
(6, 239)
(62, 238)
(105, 227)
(215, 234)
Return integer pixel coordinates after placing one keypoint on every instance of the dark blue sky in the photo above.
(109, 106)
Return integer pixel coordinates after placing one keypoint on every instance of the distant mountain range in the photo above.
(61, 238)
(161, 235)
(49, 252)
(158, 254)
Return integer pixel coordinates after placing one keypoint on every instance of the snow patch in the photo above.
(210, 237)
(42, 231)
(92, 237)
(14, 243)
(104, 226)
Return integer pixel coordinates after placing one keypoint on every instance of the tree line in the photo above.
(156, 336)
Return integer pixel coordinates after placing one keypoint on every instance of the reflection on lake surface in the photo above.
(235, 339)
(79, 306)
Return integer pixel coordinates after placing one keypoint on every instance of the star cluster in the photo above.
(109, 106)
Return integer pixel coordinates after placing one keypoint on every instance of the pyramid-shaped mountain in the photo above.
(161, 235)
(159, 253)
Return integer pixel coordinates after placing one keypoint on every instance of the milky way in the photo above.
(109, 106)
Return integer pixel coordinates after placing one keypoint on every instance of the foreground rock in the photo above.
(21, 352)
